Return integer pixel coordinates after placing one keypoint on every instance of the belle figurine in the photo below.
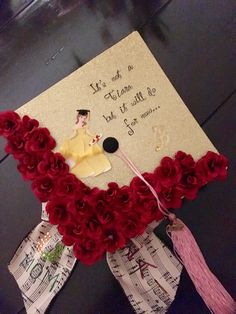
(83, 154)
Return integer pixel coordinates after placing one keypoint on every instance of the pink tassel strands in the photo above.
(207, 285)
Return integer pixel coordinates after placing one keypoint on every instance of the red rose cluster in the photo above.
(92, 220)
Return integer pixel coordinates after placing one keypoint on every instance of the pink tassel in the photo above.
(208, 286)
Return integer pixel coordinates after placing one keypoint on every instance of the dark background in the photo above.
(194, 41)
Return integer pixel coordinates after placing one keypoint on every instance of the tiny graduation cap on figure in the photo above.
(83, 112)
(116, 211)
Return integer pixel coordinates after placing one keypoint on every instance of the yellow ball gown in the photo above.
(88, 160)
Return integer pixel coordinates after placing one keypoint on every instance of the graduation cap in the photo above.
(180, 132)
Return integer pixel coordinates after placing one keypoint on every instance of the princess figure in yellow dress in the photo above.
(81, 150)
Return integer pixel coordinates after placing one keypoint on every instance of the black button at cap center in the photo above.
(110, 144)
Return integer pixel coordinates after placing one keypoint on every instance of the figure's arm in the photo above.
(95, 139)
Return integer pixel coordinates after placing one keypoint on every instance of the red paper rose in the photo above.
(149, 212)
(112, 240)
(132, 225)
(95, 197)
(67, 185)
(71, 232)
(39, 140)
(28, 166)
(190, 184)
(57, 212)
(186, 161)
(169, 172)
(94, 228)
(53, 164)
(80, 208)
(104, 215)
(112, 192)
(171, 197)
(15, 146)
(10, 122)
(140, 189)
(43, 187)
(125, 200)
(29, 124)
(212, 166)
(88, 251)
